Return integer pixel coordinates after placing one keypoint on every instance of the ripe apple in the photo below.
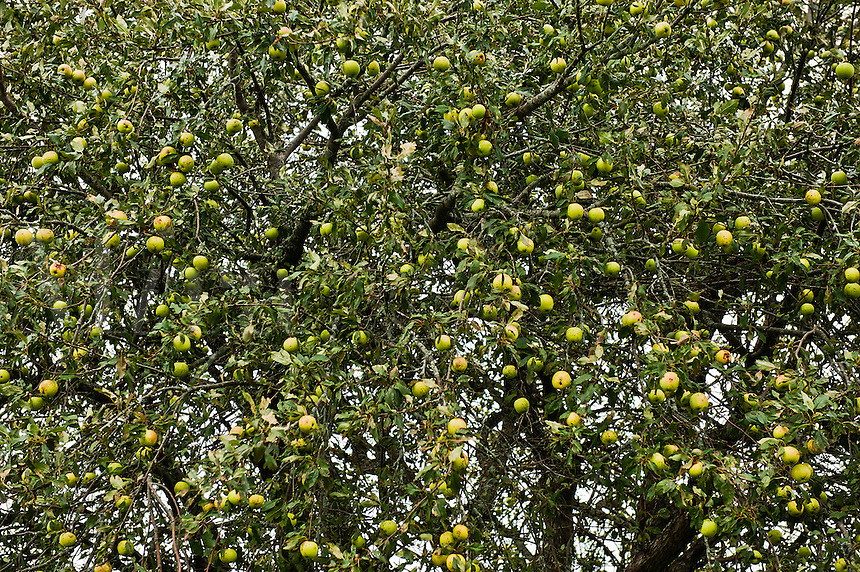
(149, 438)
(525, 245)
(67, 539)
(608, 437)
(461, 532)
(801, 472)
(455, 425)
(308, 424)
(779, 432)
(696, 469)
(291, 344)
(224, 161)
(669, 382)
(227, 555)
(57, 269)
(513, 99)
(177, 179)
(794, 509)
(521, 405)
(662, 29)
(124, 126)
(125, 548)
(723, 357)
(557, 65)
(182, 343)
(596, 215)
(455, 563)
(573, 334)
(48, 388)
(560, 379)
(443, 342)
(709, 528)
(420, 389)
(546, 303)
(698, 402)
(852, 274)
(459, 364)
(852, 290)
(509, 371)
(502, 282)
(575, 211)
(790, 455)
(51, 158)
(631, 317)
(573, 419)
(441, 64)
(24, 237)
(742, 222)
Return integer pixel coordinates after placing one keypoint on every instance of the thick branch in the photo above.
(663, 550)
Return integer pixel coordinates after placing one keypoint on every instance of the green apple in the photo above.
(420, 389)
(182, 343)
(513, 99)
(227, 555)
(125, 548)
(485, 147)
(443, 342)
(180, 369)
(387, 527)
(546, 303)
(844, 71)
(180, 487)
(742, 222)
(225, 161)
(709, 528)
(360, 338)
(656, 396)
(149, 438)
(573, 334)
(608, 437)
(351, 68)
(459, 364)
(790, 455)
(441, 64)
(574, 211)
(630, 318)
(291, 344)
(801, 472)
(573, 419)
(509, 371)
(557, 65)
(779, 432)
(233, 126)
(124, 126)
(596, 215)
(662, 29)
(696, 469)
(612, 268)
(373, 68)
(256, 501)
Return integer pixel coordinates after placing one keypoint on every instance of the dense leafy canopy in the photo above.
(236, 236)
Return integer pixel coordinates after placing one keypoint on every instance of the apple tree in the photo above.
(491, 285)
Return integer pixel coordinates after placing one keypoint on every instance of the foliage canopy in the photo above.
(235, 236)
